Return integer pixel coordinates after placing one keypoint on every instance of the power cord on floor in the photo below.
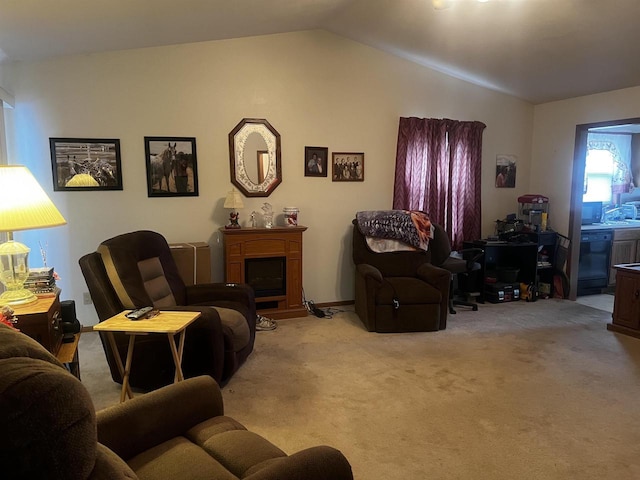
(317, 311)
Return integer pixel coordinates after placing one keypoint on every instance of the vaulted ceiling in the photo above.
(537, 50)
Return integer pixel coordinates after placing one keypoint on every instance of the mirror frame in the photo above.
(237, 139)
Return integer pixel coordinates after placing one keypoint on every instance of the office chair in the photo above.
(460, 263)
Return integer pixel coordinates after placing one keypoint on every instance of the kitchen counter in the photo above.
(611, 225)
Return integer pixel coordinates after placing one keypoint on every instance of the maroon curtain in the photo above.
(438, 170)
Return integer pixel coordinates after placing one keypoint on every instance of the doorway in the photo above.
(622, 126)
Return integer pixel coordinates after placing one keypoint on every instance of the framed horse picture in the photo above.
(172, 166)
(84, 164)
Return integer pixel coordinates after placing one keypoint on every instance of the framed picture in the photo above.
(172, 166)
(315, 161)
(506, 171)
(347, 167)
(82, 164)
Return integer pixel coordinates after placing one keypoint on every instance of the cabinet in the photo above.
(41, 321)
(626, 306)
(625, 249)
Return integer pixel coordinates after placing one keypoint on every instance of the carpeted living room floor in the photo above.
(513, 391)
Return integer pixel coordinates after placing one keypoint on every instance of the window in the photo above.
(598, 176)
(438, 170)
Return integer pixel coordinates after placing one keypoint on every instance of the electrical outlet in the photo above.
(86, 298)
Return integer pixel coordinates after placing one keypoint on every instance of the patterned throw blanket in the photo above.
(410, 227)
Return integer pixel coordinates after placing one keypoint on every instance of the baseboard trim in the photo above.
(335, 304)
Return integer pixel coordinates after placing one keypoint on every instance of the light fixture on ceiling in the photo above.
(24, 205)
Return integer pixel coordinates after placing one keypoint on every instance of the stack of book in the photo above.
(41, 280)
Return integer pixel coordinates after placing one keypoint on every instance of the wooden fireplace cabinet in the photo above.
(242, 244)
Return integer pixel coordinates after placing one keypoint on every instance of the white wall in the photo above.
(554, 137)
(315, 88)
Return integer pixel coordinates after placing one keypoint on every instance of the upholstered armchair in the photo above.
(400, 291)
(49, 429)
(137, 269)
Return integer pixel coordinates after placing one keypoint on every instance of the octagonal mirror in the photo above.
(254, 154)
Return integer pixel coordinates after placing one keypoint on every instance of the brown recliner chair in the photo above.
(50, 430)
(137, 269)
(401, 291)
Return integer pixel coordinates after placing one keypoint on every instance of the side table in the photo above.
(68, 355)
(170, 323)
(41, 321)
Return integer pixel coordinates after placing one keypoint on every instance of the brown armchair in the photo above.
(400, 291)
(137, 269)
(49, 429)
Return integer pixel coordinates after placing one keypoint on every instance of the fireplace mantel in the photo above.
(241, 244)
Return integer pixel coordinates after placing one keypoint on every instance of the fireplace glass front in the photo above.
(267, 276)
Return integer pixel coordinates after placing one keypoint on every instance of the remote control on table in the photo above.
(139, 313)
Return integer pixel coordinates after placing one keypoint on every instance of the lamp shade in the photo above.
(23, 203)
(233, 200)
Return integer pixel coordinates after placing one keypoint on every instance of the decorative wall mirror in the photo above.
(254, 153)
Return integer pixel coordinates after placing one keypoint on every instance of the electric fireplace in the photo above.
(267, 276)
(270, 260)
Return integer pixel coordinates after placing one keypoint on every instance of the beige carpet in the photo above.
(514, 391)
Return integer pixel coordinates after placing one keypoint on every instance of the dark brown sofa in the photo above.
(50, 430)
(402, 291)
(137, 269)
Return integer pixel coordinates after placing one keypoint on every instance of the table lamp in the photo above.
(233, 201)
(24, 205)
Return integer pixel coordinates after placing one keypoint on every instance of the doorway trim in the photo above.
(577, 186)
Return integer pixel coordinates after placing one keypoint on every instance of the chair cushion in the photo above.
(17, 344)
(109, 466)
(237, 324)
(240, 450)
(47, 422)
(180, 459)
(408, 291)
(134, 263)
(155, 283)
(455, 265)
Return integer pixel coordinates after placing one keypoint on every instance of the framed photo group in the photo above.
(345, 166)
(85, 164)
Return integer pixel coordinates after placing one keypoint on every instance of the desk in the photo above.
(497, 255)
(169, 323)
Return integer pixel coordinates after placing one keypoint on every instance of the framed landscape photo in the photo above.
(315, 161)
(172, 166)
(84, 164)
(347, 167)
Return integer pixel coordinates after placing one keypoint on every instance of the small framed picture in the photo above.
(505, 171)
(172, 166)
(84, 164)
(315, 161)
(347, 167)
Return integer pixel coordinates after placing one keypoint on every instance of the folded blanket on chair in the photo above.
(407, 226)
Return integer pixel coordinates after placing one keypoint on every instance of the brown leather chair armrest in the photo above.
(369, 271)
(316, 463)
(204, 294)
(436, 276)
(150, 419)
